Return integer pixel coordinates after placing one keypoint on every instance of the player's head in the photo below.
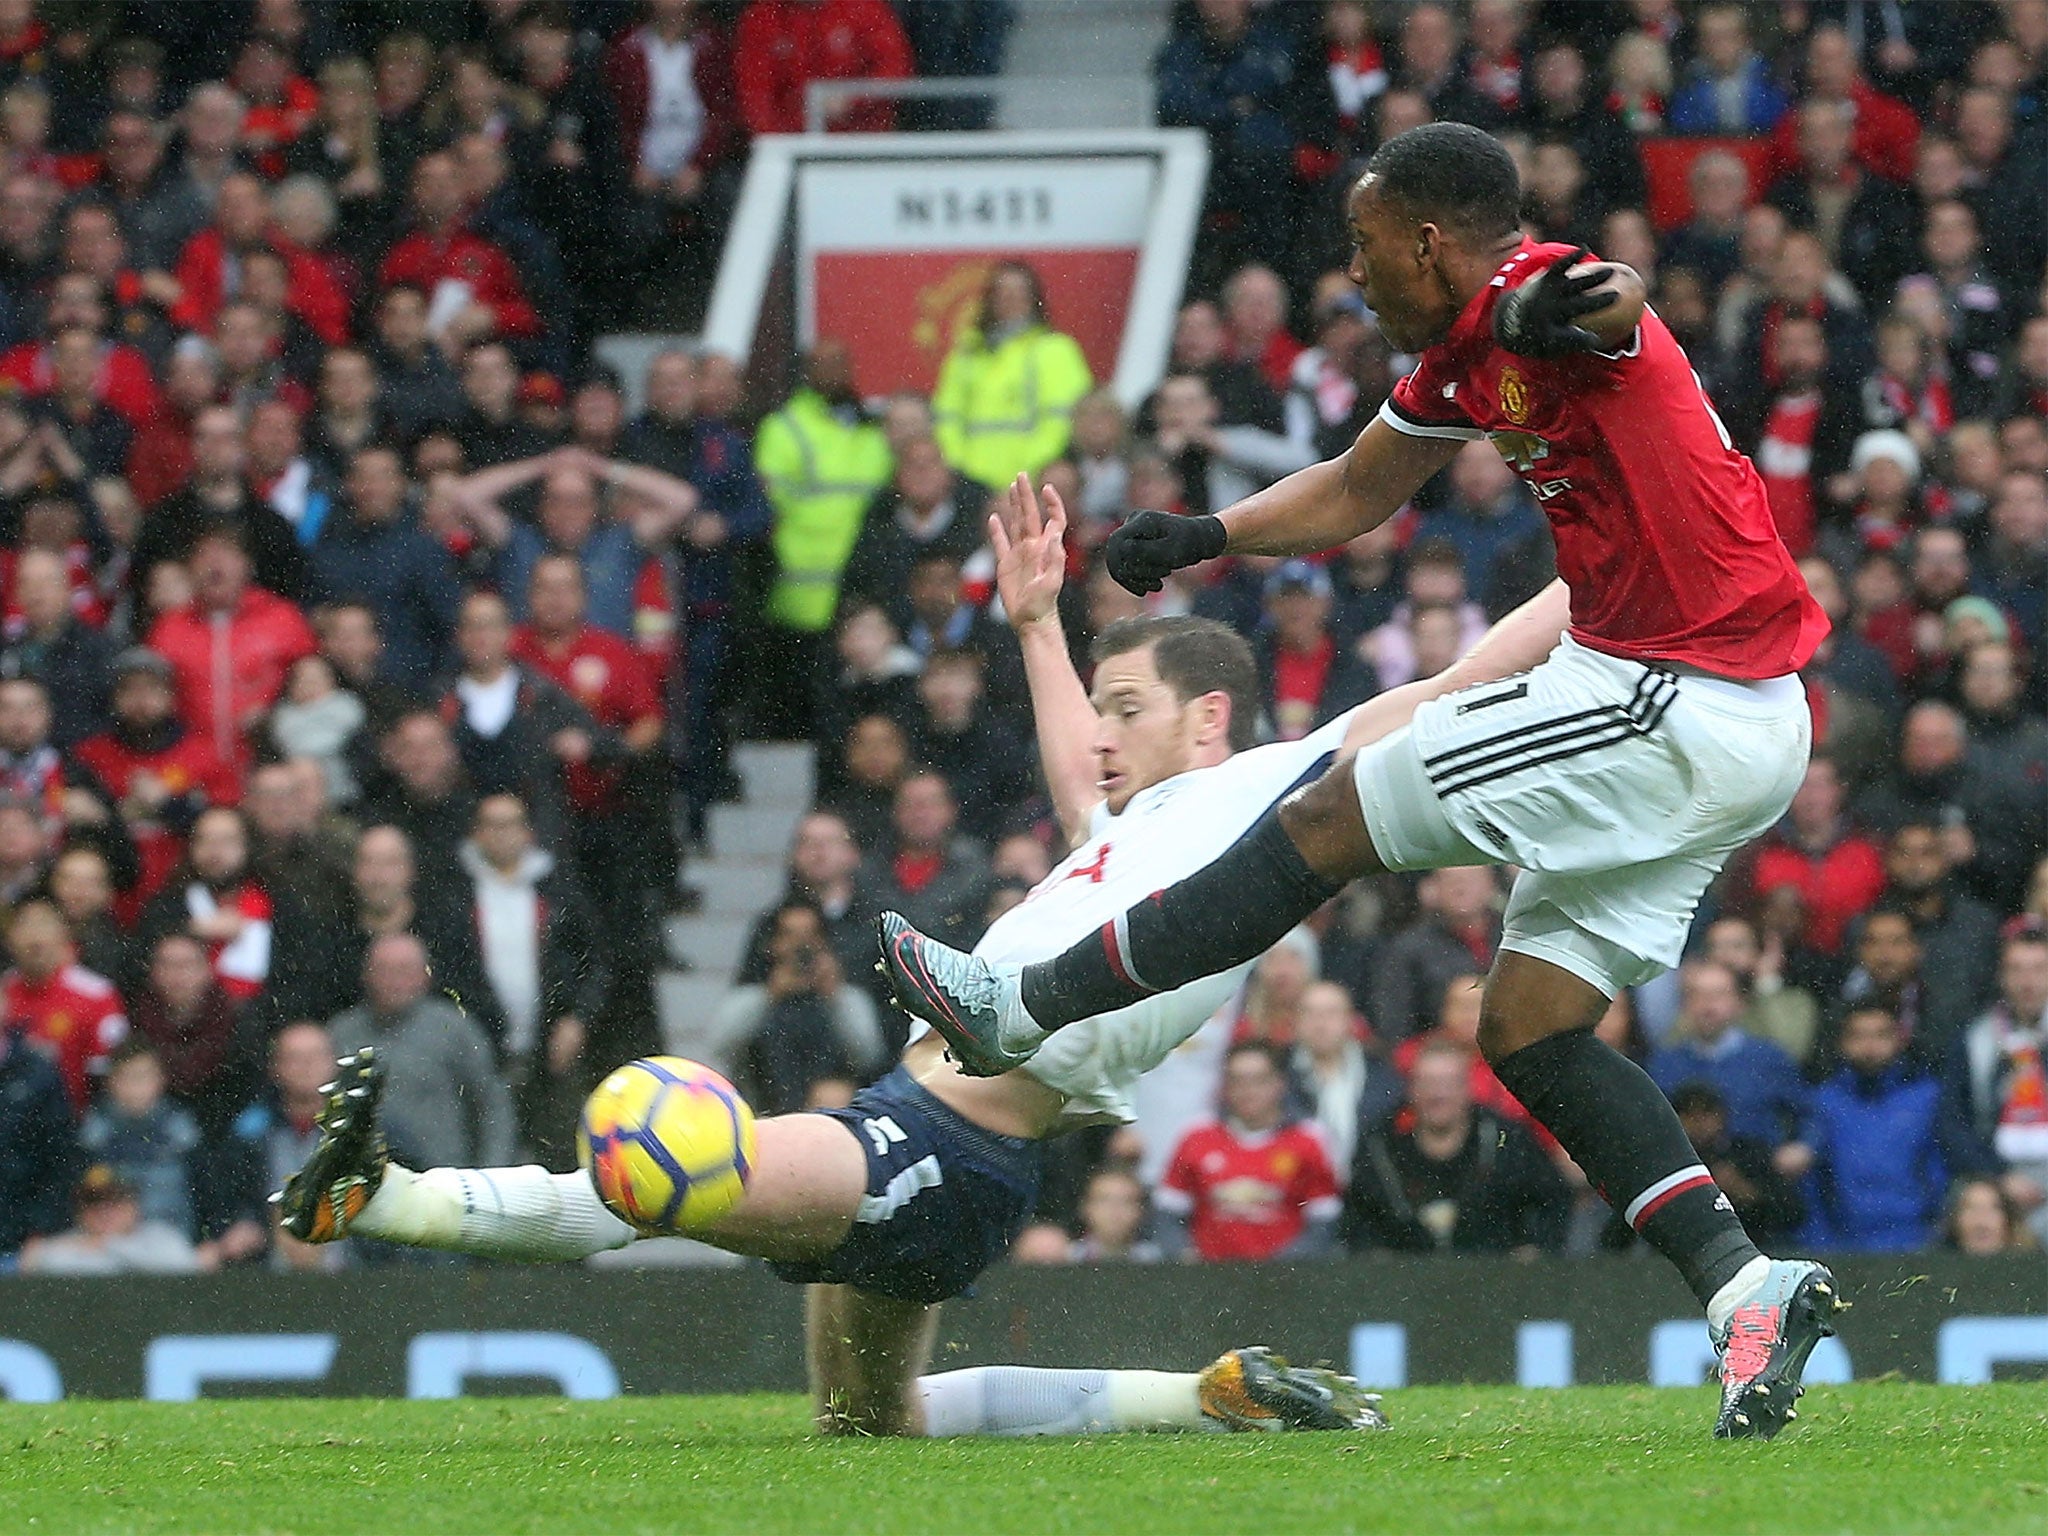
(1171, 694)
(1427, 220)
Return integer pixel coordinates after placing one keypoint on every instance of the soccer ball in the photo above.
(668, 1143)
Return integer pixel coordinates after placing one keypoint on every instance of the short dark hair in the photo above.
(1451, 174)
(1698, 1098)
(1194, 657)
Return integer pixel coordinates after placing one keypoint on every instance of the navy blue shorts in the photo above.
(945, 1197)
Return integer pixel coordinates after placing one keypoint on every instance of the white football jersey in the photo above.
(1165, 834)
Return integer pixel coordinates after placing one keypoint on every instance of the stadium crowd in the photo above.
(368, 671)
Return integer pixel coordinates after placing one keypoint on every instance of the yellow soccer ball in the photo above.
(668, 1143)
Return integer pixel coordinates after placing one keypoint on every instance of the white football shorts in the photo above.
(1619, 790)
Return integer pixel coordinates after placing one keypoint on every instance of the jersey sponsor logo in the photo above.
(1514, 395)
(1524, 451)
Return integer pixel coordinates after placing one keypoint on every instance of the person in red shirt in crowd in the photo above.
(125, 381)
(72, 1014)
(1457, 1026)
(1308, 678)
(281, 101)
(161, 459)
(1255, 309)
(783, 45)
(209, 268)
(161, 772)
(1886, 134)
(1836, 871)
(229, 651)
(1253, 1185)
(219, 900)
(1805, 432)
(472, 288)
(65, 796)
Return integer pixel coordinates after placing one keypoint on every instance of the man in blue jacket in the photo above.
(1877, 1153)
(374, 550)
(1757, 1080)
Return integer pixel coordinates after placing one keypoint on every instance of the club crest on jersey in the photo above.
(1514, 395)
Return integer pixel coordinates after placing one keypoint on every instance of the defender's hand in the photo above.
(1541, 318)
(1151, 546)
(1031, 554)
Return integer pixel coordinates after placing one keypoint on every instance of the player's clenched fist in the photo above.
(1541, 318)
(1151, 546)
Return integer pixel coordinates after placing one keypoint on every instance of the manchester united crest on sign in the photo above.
(1514, 395)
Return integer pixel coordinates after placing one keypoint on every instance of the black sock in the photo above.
(1224, 913)
(1620, 1129)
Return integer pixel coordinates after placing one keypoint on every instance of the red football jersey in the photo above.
(1664, 534)
(1248, 1194)
(75, 1016)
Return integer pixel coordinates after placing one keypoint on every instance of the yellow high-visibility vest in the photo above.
(1009, 408)
(820, 470)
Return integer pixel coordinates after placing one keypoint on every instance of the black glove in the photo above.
(1540, 318)
(1151, 546)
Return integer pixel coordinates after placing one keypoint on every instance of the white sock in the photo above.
(495, 1213)
(1020, 1400)
(1736, 1292)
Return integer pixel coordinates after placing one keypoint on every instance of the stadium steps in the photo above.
(741, 874)
(1100, 51)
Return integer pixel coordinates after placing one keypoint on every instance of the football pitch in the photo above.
(1870, 1458)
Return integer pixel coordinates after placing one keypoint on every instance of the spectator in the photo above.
(301, 846)
(1253, 1184)
(321, 722)
(1307, 678)
(1955, 302)
(1446, 1176)
(111, 1237)
(51, 643)
(71, 1014)
(2001, 168)
(1757, 1080)
(1005, 400)
(544, 972)
(781, 46)
(218, 496)
(1487, 514)
(927, 508)
(979, 756)
(185, 1017)
(1990, 688)
(123, 380)
(1886, 131)
(375, 551)
(1800, 282)
(1743, 1168)
(1457, 1023)
(2012, 565)
(82, 886)
(1242, 395)
(157, 206)
(1728, 89)
(823, 863)
(802, 1025)
(255, 938)
(361, 159)
(1114, 1211)
(1996, 1076)
(822, 461)
(473, 289)
(147, 1139)
(926, 870)
(215, 260)
(1345, 1091)
(1237, 77)
(1709, 242)
(1432, 67)
(1454, 935)
(417, 381)
(1982, 1221)
(1433, 577)
(444, 1104)
(1864, 222)
(1775, 1010)
(1340, 383)
(1938, 783)
(160, 772)
(1958, 937)
(38, 1148)
(672, 84)
(1873, 1150)
(1800, 433)
(1559, 106)
(1255, 311)
(1273, 995)
(230, 652)
(1836, 871)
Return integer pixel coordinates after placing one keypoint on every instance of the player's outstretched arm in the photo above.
(1030, 567)
(1312, 509)
(1518, 642)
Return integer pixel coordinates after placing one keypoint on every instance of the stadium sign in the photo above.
(890, 240)
(591, 1333)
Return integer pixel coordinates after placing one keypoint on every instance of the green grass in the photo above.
(1876, 1458)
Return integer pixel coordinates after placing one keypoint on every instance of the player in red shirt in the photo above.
(1667, 730)
(1253, 1185)
(72, 1014)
